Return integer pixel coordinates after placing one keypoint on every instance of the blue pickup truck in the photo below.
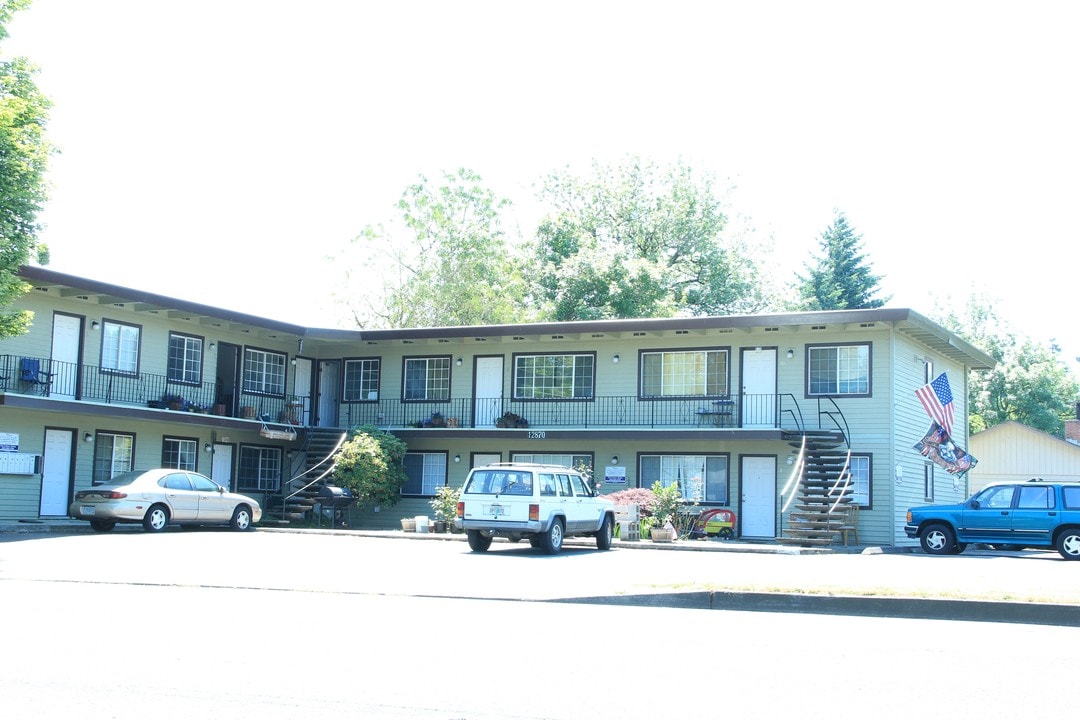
(1035, 513)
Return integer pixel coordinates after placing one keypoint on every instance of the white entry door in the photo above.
(222, 465)
(65, 355)
(329, 393)
(758, 403)
(56, 472)
(302, 387)
(489, 385)
(758, 478)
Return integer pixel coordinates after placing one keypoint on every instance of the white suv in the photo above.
(544, 503)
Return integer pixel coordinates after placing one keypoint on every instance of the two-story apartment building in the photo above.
(712, 403)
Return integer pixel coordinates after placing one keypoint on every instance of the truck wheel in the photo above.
(1068, 544)
(478, 541)
(552, 539)
(603, 537)
(938, 539)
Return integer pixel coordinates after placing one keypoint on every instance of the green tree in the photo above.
(449, 262)
(1031, 382)
(369, 463)
(24, 153)
(635, 240)
(840, 277)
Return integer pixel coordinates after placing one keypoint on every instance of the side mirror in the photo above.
(974, 504)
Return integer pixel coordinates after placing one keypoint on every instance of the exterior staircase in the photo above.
(311, 471)
(821, 490)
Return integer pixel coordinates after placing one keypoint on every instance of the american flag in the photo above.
(936, 397)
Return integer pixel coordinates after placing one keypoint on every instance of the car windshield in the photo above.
(495, 482)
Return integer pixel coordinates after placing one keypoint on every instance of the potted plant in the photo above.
(173, 402)
(445, 505)
(436, 420)
(666, 502)
(511, 420)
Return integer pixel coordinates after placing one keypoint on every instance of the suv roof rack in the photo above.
(523, 464)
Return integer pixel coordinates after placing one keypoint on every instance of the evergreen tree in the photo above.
(840, 278)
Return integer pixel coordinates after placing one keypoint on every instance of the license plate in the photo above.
(495, 510)
(87, 510)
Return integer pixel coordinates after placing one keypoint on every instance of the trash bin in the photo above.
(421, 523)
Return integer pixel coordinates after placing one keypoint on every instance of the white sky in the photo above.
(221, 150)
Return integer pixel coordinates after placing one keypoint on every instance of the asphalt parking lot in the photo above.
(1027, 586)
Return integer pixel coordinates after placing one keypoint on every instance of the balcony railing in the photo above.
(61, 380)
(609, 411)
(91, 383)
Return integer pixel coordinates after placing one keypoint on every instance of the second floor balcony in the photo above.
(92, 384)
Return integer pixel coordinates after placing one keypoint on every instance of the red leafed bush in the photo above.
(642, 497)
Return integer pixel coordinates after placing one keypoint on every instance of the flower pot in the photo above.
(659, 534)
(247, 412)
(176, 406)
(219, 409)
(408, 524)
(440, 526)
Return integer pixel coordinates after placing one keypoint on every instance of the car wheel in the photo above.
(157, 519)
(241, 518)
(478, 541)
(1068, 544)
(603, 538)
(513, 538)
(534, 541)
(102, 525)
(551, 542)
(937, 539)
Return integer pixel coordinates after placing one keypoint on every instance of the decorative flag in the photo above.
(937, 399)
(938, 447)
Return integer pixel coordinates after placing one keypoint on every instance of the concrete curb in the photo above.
(895, 607)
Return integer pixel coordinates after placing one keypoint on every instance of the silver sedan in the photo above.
(160, 496)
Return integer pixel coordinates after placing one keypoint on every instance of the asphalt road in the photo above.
(284, 625)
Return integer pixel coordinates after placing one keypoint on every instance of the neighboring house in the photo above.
(714, 404)
(1014, 451)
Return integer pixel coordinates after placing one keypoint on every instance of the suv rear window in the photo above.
(495, 482)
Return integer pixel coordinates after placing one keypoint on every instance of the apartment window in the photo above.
(179, 453)
(684, 373)
(860, 480)
(567, 460)
(700, 478)
(259, 468)
(427, 378)
(120, 347)
(264, 372)
(838, 370)
(112, 455)
(362, 380)
(928, 482)
(185, 359)
(553, 377)
(425, 472)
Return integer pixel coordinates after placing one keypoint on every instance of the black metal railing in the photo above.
(91, 383)
(44, 376)
(603, 411)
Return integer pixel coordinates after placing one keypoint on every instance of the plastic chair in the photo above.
(30, 372)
